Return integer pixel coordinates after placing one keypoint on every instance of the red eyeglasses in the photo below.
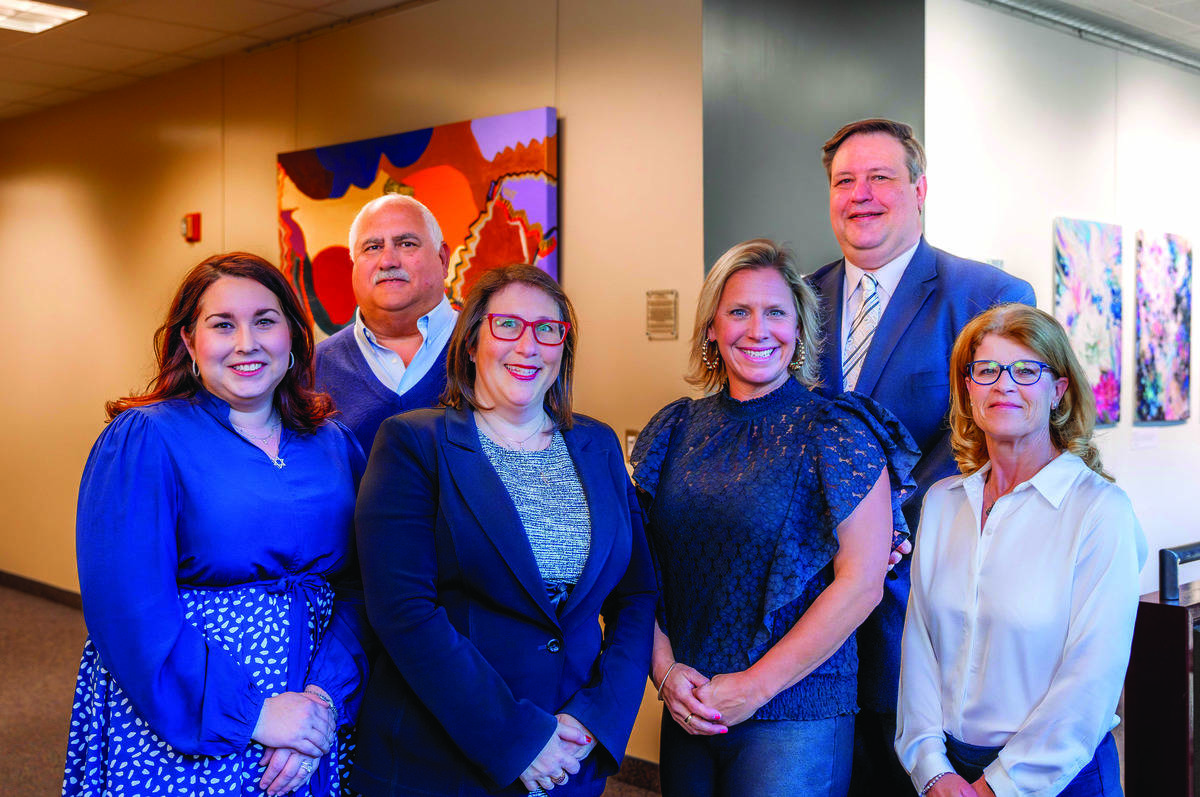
(512, 327)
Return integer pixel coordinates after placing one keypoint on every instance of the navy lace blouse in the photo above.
(744, 499)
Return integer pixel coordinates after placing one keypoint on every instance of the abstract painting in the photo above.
(1164, 318)
(492, 184)
(1087, 302)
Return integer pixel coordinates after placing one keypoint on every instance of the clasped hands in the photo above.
(705, 706)
(570, 743)
(297, 729)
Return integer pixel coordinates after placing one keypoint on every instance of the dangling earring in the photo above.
(716, 355)
(291, 360)
(797, 357)
(195, 369)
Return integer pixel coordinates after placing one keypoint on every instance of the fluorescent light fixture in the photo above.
(29, 16)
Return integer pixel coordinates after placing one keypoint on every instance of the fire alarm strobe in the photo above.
(189, 227)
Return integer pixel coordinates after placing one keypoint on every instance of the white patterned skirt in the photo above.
(111, 750)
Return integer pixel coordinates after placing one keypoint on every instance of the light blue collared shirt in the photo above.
(435, 328)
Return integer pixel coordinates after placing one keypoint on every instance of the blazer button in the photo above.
(554, 646)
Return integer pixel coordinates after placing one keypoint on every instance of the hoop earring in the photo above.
(712, 364)
(797, 357)
(291, 360)
(195, 369)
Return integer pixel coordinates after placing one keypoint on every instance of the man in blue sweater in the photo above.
(393, 357)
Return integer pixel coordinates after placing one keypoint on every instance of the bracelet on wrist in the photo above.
(324, 699)
(932, 782)
(663, 682)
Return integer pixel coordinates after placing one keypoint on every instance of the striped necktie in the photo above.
(861, 331)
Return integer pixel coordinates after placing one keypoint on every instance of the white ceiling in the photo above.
(123, 41)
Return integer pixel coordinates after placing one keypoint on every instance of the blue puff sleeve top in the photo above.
(744, 500)
(173, 498)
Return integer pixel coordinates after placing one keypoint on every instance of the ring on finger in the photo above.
(307, 766)
(561, 778)
(688, 719)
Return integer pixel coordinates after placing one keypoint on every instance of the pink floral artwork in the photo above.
(1164, 318)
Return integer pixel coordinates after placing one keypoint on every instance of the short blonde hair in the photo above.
(754, 254)
(1071, 423)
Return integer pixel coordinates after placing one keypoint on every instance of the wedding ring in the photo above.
(561, 779)
(688, 719)
(307, 766)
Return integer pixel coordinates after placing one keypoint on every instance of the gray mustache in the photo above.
(392, 274)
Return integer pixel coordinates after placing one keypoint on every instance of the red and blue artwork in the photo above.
(492, 184)
(1164, 319)
(1087, 302)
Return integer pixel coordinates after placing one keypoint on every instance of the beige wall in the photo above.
(91, 195)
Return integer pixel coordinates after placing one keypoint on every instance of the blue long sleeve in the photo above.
(193, 694)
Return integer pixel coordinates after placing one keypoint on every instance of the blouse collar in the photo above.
(785, 395)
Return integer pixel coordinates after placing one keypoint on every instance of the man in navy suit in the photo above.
(892, 307)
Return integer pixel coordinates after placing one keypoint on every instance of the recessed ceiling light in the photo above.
(29, 16)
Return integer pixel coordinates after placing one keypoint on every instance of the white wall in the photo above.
(1025, 123)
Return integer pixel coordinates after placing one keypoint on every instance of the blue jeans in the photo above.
(759, 758)
(1100, 777)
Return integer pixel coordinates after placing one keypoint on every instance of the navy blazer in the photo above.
(907, 370)
(477, 661)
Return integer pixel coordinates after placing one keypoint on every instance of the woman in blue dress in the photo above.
(214, 510)
(771, 512)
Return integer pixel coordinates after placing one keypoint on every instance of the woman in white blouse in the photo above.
(1024, 580)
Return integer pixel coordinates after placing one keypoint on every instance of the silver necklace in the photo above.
(517, 445)
(260, 441)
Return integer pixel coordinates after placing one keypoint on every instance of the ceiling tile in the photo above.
(54, 48)
(1188, 12)
(161, 65)
(11, 91)
(58, 97)
(26, 71)
(222, 46)
(138, 33)
(113, 80)
(305, 4)
(293, 25)
(231, 16)
(9, 110)
(348, 8)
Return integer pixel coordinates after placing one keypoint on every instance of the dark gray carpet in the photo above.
(40, 643)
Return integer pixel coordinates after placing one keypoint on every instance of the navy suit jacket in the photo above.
(907, 370)
(479, 661)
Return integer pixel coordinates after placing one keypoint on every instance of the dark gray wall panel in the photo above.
(780, 78)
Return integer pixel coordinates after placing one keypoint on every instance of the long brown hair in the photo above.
(1071, 423)
(460, 370)
(301, 408)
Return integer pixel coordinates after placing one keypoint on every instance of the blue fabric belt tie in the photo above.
(303, 589)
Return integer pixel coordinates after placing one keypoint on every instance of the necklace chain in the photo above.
(260, 441)
(517, 445)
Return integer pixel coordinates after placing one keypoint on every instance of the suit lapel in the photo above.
(830, 294)
(912, 291)
(484, 494)
(604, 507)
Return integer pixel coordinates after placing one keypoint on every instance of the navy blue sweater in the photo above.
(363, 401)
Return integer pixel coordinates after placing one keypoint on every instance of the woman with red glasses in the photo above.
(493, 533)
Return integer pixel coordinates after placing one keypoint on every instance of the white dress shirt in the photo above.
(1018, 637)
(888, 276)
(435, 328)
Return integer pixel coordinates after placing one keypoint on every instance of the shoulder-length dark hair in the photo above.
(301, 408)
(460, 376)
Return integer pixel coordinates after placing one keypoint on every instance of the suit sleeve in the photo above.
(191, 692)
(399, 532)
(609, 704)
